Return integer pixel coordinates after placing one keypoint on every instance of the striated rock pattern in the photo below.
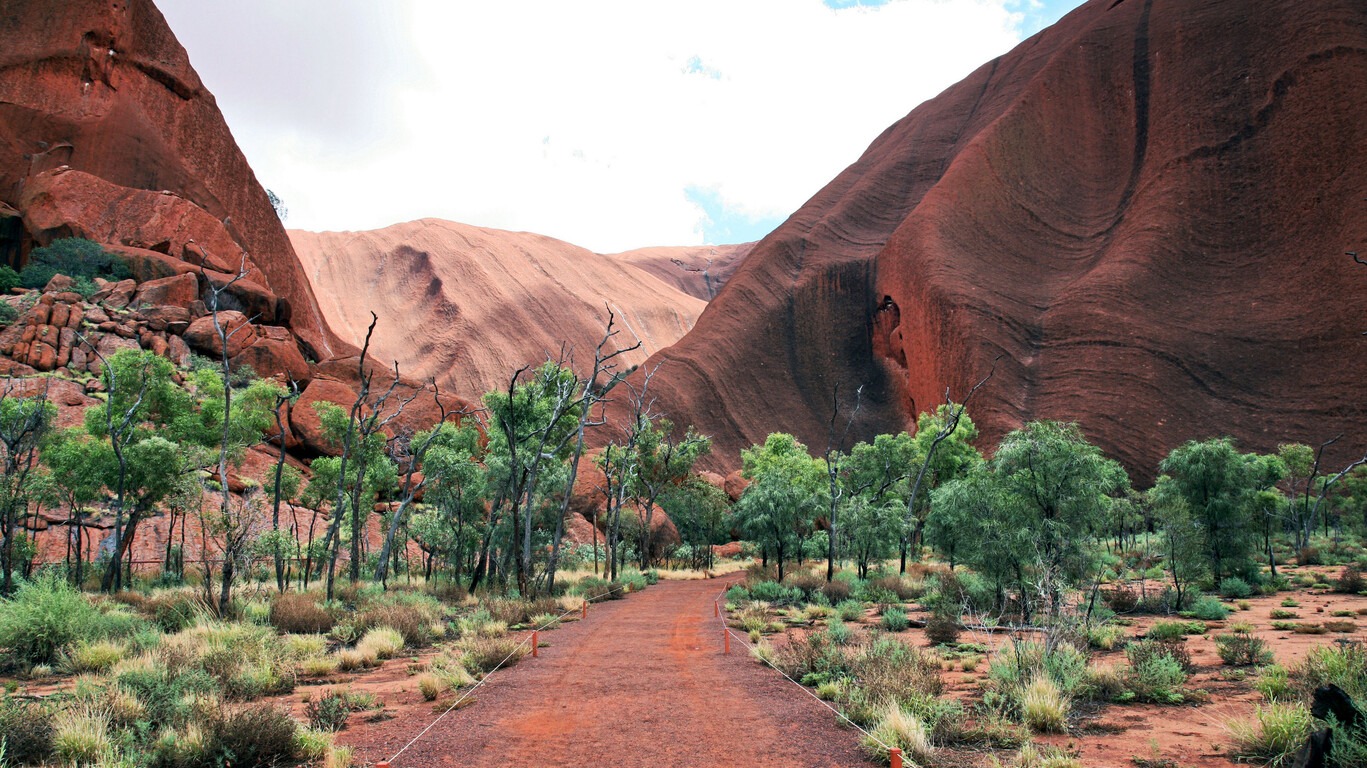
(469, 305)
(1143, 211)
(108, 133)
(697, 270)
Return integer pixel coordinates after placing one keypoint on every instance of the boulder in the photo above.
(177, 291)
(304, 419)
(171, 319)
(59, 284)
(275, 358)
(202, 335)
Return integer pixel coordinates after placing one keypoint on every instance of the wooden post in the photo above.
(535, 644)
(726, 641)
(895, 757)
(716, 610)
(584, 610)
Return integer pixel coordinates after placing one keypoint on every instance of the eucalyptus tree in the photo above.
(787, 490)
(24, 422)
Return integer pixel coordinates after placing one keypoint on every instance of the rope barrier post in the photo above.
(895, 757)
(382, 764)
(716, 610)
(726, 642)
(584, 609)
(535, 645)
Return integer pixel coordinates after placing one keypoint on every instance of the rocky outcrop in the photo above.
(469, 305)
(109, 134)
(1140, 213)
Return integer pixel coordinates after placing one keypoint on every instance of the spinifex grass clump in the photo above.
(47, 615)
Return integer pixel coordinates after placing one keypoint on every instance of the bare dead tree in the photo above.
(833, 456)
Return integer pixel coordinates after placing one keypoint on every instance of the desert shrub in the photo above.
(482, 655)
(80, 735)
(167, 693)
(329, 710)
(633, 580)
(174, 611)
(1282, 613)
(837, 591)
(942, 628)
(1174, 631)
(74, 257)
(1291, 602)
(1310, 629)
(838, 633)
(257, 735)
(1350, 580)
(807, 581)
(1209, 608)
(1341, 625)
(381, 642)
(1234, 588)
(9, 279)
(299, 612)
(773, 592)
(1274, 683)
(8, 314)
(451, 592)
(593, 589)
(887, 670)
(431, 686)
(1344, 665)
(1105, 636)
(814, 659)
(1017, 663)
(1156, 672)
(900, 728)
(46, 615)
(896, 585)
(87, 656)
(1242, 649)
(895, 619)
(26, 728)
(1276, 733)
(1309, 556)
(1120, 599)
(412, 623)
(849, 610)
(1044, 708)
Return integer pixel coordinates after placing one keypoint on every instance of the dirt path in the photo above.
(641, 682)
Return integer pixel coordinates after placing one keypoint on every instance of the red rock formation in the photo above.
(470, 305)
(109, 134)
(1142, 210)
(697, 270)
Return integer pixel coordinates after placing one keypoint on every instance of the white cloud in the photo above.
(584, 121)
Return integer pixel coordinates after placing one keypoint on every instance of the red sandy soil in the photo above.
(641, 682)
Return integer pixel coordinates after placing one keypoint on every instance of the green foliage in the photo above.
(9, 279)
(1242, 649)
(1026, 518)
(45, 616)
(837, 632)
(1233, 588)
(1276, 734)
(1274, 683)
(1344, 665)
(1209, 608)
(895, 619)
(1156, 674)
(786, 492)
(8, 314)
(74, 257)
(26, 730)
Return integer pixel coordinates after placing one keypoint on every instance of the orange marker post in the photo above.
(895, 757)
(382, 764)
(726, 642)
(584, 610)
(716, 610)
(535, 644)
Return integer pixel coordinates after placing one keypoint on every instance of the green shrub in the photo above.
(1209, 608)
(1344, 665)
(1274, 683)
(74, 257)
(484, 654)
(1105, 637)
(47, 615)
(942, 628)
(167, 693)
(837, 632)
(26, 728)
(1234, 588)
(328, 711)
(773, 592)
(8, 314)
(1280, 613)
(9, 279)
(1170, 631)
(1276, 733)
(1156, 673)
(1242, 649)
(259, 735)
(412, 623)
(849, 610)
(895, 619)
(837, 591)
(1351, 581)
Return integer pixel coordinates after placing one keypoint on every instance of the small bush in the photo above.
(299, 612)
(46, 615)
(1242, 649)
(1105, 637)
(1156, 672)
(1310, 629)
(9, 279)
(1276, 733)
(1120, 599)
(431, 686)
(904, 589)
(1234, 588)
(8, 314)
(1351, 581)
(837, 591)
(412, 623)
(328, 711)
(1173, 631)
(849, 610)
(259, 735)
(93, 656)
(1309, 556)
(838, 633)
(80, 735)
(1209, 608)
(26, 727)
(1291, 602)
(895, 619)
(773, 592)
(810, 583)
(1281, 613)
(381, 642)
(1341, 626)
(1044, 708)
(1274, 683)
(482, 655)
(1344, 665)
(898, 727)
(942, 629)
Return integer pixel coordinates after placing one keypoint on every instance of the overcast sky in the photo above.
(612, 124)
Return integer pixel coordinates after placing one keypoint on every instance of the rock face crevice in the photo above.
(1143, 210)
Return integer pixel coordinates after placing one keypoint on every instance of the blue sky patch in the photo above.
(695, 66)
(840, 5)
(724, 223)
